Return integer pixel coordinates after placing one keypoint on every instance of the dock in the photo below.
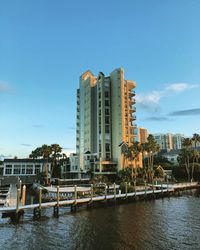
(17, 209)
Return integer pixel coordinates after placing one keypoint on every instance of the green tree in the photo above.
(184, 159)
(196, 139)
(152, 148)
(194, 154)
(187, 143)
(132, 154)
(55, 156)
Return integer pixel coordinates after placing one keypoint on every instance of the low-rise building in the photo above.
(25, 169)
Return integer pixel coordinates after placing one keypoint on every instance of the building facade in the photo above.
(24, 167)
(169, 141)
(177, 141)
(142, 134)
(105, 118)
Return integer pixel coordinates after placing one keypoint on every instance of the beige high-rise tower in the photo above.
(105, 118)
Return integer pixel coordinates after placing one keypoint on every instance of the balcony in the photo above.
(131, 94)
(133, 117)
(132, 101)
(132, 109)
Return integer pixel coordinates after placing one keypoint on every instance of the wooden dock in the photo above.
(16, 210)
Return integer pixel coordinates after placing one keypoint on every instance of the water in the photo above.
(171, 223)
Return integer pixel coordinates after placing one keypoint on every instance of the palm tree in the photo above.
(46, 151)
(196, 139)
(184, 158)
(55, 155)
(187, 143)
(144, 150)
(35, 154)
(194, 154)
(151, 147)
(132, 154)
(124, 152)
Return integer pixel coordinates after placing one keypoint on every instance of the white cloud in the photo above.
(150, 101)
(179, 87)
(153, 97)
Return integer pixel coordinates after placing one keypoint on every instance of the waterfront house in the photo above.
(25, 169)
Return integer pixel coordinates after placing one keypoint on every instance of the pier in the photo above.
(157, 191)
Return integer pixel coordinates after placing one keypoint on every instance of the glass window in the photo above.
(106, 94)
(8, 169)
(37, 169)
(107, 119)
(107, 111)
(107, 147)
(17, 169)
(107, 156)
(29, 169)
(107, 129)
(23, 169)
(106, 102)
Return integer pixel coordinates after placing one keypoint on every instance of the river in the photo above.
(169, 223)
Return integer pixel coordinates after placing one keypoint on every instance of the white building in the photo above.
(105, 118)
(169, 141)
(24, 167)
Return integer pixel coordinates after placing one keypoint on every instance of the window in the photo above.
(107, 129)
(17, 169)
(107, 119)
(107, 111)
(106, 102)
(107, 147)
(37, 169)
(8, 170)
(106, 94)
(29, 169)
(107, 156)
(23, 169)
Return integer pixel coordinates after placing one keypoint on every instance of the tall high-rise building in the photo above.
(142, 134)
(164, 140)
(105, 118)
(177, 141)
(169, 141)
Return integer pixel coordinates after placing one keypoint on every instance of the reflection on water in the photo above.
(170, 223)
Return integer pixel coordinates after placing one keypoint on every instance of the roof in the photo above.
(25, 160)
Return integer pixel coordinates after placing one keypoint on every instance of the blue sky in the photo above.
(46, 45)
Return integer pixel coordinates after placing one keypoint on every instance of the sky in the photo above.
(46, 45)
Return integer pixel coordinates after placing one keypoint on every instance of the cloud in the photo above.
(150, 101)
(5, 87)
(179, 87)
(26, 145)
(6, 156)
(157, 118)
(186, 112)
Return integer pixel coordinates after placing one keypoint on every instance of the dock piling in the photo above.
(23, 199)
(114, 191)
(56, 207)
(91, 192)
(105, 192)
(126, 188)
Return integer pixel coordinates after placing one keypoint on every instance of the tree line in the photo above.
(50, 153)
(189, 156)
